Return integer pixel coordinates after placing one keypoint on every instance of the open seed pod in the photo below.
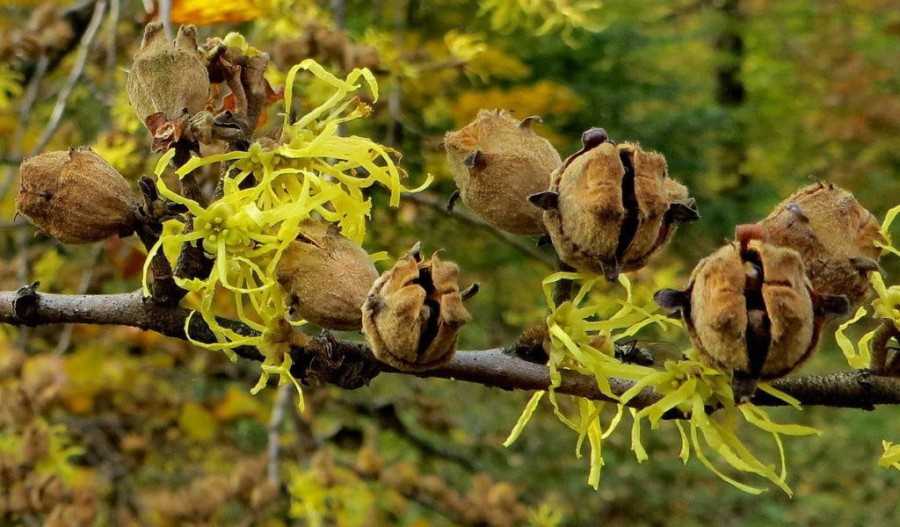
(414, 312)
(833, 233)
(167, 83)
(497, 163)
(327, 277)
(750, 310)
(610, 207)
(76, 196)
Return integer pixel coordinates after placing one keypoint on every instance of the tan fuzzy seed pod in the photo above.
(720, 313)
(327, 277)
(497, 163)
(76, 196)
(611, 207)
(750, 310)
(833, 233)
(167, 78)
(414, 312)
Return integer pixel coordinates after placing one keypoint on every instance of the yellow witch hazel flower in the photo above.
(891, 457)
(886, 305)
(581, 340)
(266, 194)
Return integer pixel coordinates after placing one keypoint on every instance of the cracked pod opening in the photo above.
(749, 310)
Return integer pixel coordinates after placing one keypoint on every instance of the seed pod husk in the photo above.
(751, 311)
(611, 207)
(167, 83)
(833, 233)
(76, 196)
(497, 163)
(414, 312)
(327, 277)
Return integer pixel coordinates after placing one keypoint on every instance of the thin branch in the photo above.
(493, 367)
(165, 16)
(282, 401)
(114, 9)
(84, 51)
(28, 100)
(436, 203)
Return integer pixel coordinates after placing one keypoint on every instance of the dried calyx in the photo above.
(610, 207)
(833, 233)
(750, 311)
(240, 67)
(76, 196)
(497, 162)
(327, 277)
(167, 84)
(414, 312)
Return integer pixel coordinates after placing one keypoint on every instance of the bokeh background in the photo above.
(747, 99)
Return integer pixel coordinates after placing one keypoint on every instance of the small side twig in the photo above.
(279, 407)
(28, 100)
(114, 9)
(435, 203)
(879, 363)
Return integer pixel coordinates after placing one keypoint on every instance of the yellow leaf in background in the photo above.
(542, 98)
(206, 12)
(10, 88)
(891, 457)
(495, 63)
(464, 46)
(238, 403)
(197, 423)
(47, 269)
(120, 151)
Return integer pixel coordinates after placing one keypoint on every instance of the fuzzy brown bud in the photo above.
(750, 310)
(414, 312)
(327, 277)
(611, 207)
(497, 163)
(833, 233)
(76, 196)
(167, 81)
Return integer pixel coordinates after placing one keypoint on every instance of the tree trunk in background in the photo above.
(731, 96)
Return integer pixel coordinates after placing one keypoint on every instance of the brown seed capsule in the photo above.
(167, 82)
(497, 163)
(76, 196)
(414, 312)
(327, 277)
(750, 310)
(833, 233)
(610, 207)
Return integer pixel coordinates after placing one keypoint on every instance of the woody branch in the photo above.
(351, 365)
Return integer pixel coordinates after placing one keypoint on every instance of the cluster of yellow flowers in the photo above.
(582, 339)
(266, 194)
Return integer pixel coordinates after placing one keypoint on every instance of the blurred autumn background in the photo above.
(748, 100)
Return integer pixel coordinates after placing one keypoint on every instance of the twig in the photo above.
(111, 39)
(435, 203)
(165, 16)
(282, 401)
(493, 367)
(15, 150)
(388, 419)
(84, 51)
